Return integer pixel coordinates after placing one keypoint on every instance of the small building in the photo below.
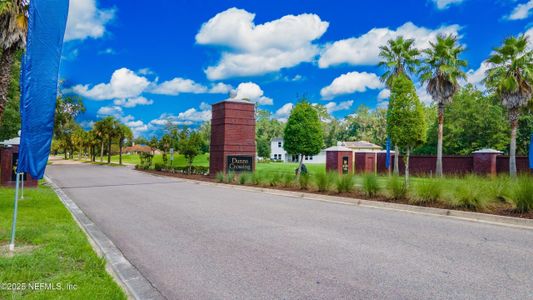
(361, 146)
(9, 153)
(277, 153)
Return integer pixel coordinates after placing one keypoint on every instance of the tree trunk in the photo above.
(406, 160)
(79, 154)
(66, 153)
(120, 153)
(396, 171)
(109, 151)
(299, 172)
(102, 151)
(6, 62)
(512, 151)
(438, 170)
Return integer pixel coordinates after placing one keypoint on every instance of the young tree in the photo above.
(124, 133)
(105, 130)
(67, 109)
(510, 76)
(266, 130)
(153, 143)
(406, 121)
(190, 145)
(398, 57)
(441, 71)
(303, 133)
(13, 27)
(79, 140)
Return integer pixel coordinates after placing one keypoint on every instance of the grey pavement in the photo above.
(195, 241)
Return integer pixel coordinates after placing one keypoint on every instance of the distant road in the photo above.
(203, 242)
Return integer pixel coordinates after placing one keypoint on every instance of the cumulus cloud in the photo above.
(137, 126)
(187, 117)
(177, 86)
(259, 49)
(423, 95)
(444, 4)
(475, 77)
(364, 50)
(124, 83)
(334, 106)
(384, 94)
(132, 102)
(87, 20)
(521, 11)
(350, 83)
(283, 113)
(114, 111)
(252, 92)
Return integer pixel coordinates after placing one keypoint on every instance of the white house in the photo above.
(277, 153)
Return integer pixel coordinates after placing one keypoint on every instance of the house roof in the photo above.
(360, 145)
(338, 148)
(13, 141)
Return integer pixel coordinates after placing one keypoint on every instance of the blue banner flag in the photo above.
(38, 85)
(531, 153)
(387, 159)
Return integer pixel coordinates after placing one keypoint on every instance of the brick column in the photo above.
(339, 159)
(232, 137)
(485, 161)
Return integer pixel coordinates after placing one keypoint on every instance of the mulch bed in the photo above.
(502, 209)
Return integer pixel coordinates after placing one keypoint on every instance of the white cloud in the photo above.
(145, 71)
(364, 50)
(252, 92)
(124, 83)
(177, 86)
(259, 49)
(423, 95)
(444, 4)
(132, 102)
(334, 106)
(87, 20)
(114, 111)
(350, 83)
(384, 94)
(137, 126)
(188, 117)
(283, 113)
(108, 51)
(521, 11)
(476, 77)
(220, 88)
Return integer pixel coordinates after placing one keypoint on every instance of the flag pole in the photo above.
(14, 224)
(22, 186)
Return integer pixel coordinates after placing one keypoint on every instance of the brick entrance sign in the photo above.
(232, 137)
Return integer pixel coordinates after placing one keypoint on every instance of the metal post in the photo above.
(14, 224)
(22, 186)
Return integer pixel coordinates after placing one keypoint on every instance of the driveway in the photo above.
(195, 241)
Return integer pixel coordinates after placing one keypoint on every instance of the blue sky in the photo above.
(151, 64)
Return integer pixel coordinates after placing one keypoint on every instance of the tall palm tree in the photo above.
(104, 130)
(13, 28)
(441, 70)
(399, 56)
(510, 76)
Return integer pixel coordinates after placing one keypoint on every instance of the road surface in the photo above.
(205, 242)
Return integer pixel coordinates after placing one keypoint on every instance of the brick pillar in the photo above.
(339, 159)
(6, 168)
(485, 162)
(232, 137)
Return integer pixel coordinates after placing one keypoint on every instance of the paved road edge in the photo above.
(131, 280)
(439, 212)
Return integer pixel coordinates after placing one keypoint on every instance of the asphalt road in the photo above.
(204, 242)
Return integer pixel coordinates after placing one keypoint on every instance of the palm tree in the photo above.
(124, 132)
(398, 57)
(105, 132)
(441, 70)
(13, 27)
(510, 76)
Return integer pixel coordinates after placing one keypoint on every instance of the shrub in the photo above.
(428, 191)
(396, 187)
(219, 177)
(470, 193)
(370, 185)
(274, 179)
(499, 188)
(303, 181)
(345, 183)
(244, 178)
(158, 166)
(324, 181)
(145, 160)
(523, 194)
(230, 177)
(256, 178)
(288, 180)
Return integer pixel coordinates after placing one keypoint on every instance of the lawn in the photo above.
(53, 250)
(179, 160)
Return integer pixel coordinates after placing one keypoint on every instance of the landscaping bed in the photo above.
(53, 258)
(498, 196)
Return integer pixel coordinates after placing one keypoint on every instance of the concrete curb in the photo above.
(131, 280)
(431, 211)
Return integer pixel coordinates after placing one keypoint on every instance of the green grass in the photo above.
(61, 252)
(179, 160)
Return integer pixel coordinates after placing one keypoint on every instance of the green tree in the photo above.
(165, 143)
(105, 131)
(205, 132)
(510, 77)
(67, 110)
(124, 133)
(266, 130)
(153, 143)
(13, 27)
(398, 57)
(368, 125)
(190, 145)
(441, 70)
(303, 133)
(406, 121)
(263, 147)
(10, 122)
(79, 140)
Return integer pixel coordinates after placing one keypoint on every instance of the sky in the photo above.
(148, 65)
